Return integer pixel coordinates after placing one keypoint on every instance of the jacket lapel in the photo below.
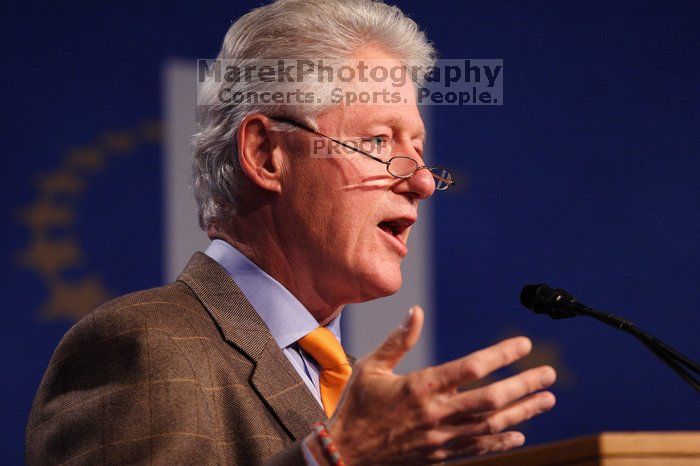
(274, 378)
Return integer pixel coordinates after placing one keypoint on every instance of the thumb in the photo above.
(399, 342)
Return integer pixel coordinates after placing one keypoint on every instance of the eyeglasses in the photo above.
(399, 166)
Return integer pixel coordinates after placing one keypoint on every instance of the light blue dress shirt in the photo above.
(287, 319)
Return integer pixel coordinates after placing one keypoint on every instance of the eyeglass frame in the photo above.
(448, 183)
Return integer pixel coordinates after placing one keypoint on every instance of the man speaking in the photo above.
(309, 206)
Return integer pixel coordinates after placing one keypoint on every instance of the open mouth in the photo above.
(398, 229)
(394, 228)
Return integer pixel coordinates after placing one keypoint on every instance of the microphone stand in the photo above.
(682, 365)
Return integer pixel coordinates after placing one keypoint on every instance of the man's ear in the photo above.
(258, 160)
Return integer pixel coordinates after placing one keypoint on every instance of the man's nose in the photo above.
(422, 183)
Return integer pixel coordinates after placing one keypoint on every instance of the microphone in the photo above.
(558, 304)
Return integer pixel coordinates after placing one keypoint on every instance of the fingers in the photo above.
(479, 364)
(487, 436)
(483, 444)
(499, 420)
(518, 412)
(475, 445)
(399, 341)
(502, 393)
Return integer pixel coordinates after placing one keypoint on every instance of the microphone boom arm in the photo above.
(558, 304)
(682, 365)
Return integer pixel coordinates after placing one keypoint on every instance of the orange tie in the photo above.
(325, 348)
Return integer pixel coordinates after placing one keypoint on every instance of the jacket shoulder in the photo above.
(136, 335)
(168, 307)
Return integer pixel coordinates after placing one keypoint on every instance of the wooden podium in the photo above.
(608, 449)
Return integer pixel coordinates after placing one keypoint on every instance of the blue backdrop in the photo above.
(587, 178)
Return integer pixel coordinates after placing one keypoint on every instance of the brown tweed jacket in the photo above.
(183, 374)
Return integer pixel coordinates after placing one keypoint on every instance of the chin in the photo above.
(381, 282)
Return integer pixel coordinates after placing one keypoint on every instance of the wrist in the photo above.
(321, 445)
(314, 449)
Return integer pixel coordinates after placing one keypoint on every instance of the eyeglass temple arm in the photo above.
(347, 146)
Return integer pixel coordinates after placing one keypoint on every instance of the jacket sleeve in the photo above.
(122, 392)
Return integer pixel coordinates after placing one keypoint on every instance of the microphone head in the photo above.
(534, 295)
(543, 299)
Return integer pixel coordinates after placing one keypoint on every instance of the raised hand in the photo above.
(422, 417)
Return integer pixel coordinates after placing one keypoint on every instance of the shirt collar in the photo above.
(287, 319)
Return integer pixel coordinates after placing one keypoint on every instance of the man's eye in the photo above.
(378, 140)
(377, 145)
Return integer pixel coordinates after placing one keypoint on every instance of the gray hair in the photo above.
(318, 29)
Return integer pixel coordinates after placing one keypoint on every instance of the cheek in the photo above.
(350, 226)
(337, 217)
(345, 233)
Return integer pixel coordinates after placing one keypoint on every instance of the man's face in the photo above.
(347, 220)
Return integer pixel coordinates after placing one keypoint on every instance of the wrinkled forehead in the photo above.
(380, 75)
(374, 93)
